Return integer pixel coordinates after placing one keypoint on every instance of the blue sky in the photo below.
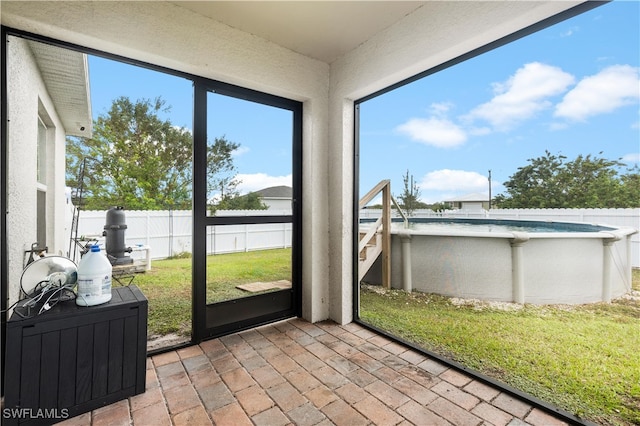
(570, 89)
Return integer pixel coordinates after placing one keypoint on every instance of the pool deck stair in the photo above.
(370, 251)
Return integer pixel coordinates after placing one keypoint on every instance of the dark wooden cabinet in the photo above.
(73, 359)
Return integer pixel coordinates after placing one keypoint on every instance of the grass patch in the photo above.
(583, 359)
(167, 285)
(225, 272)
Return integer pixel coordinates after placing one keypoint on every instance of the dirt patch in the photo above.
(478, 304)
(633, 296)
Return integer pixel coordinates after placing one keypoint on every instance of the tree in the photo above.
(139, 161)
(410, 194)
(631, 185)
(221, 172)
(250, 201)
(439, 207)
(586, 182)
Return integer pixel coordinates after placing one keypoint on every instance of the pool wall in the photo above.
(522, 267)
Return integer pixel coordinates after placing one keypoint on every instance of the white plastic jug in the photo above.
(94, 278)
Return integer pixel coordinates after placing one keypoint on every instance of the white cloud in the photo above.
(522, 96)
(445, 184)
(632, 158)
(241, 150)
(479, 131)
(182, 129)
(454, 180)
(611, 88)
(433, 197)
(440, 108)
(558, 126)
(258, 181)
(569, 32)
(438, 132)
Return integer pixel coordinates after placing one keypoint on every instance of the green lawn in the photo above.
(168, 285)
(225, 272)
(583, 359)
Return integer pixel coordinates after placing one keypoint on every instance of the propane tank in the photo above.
(114, 233)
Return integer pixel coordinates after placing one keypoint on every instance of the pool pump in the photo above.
(114, 233)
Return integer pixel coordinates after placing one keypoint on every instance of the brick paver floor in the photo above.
(294, 372)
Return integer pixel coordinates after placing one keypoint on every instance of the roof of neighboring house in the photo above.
(66, 75)
(276, 192)
(469, 198)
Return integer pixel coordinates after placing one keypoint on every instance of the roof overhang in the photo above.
(66, 76)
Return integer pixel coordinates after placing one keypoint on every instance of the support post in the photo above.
(607, 256)
(629, 277)
(517, 270)
(407, 284)
(386, 236)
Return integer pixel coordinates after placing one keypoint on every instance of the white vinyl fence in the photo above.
(168, 232)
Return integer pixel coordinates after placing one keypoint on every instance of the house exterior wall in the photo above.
(27, 98)
(166, 34)
(472, 205)
(277, 203)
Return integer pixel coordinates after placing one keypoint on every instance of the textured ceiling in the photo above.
(323, 30)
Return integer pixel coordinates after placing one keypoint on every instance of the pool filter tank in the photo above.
(114, 233)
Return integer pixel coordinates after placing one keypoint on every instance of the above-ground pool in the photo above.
(510, 260)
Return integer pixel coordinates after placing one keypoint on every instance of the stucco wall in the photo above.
(27, 94)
